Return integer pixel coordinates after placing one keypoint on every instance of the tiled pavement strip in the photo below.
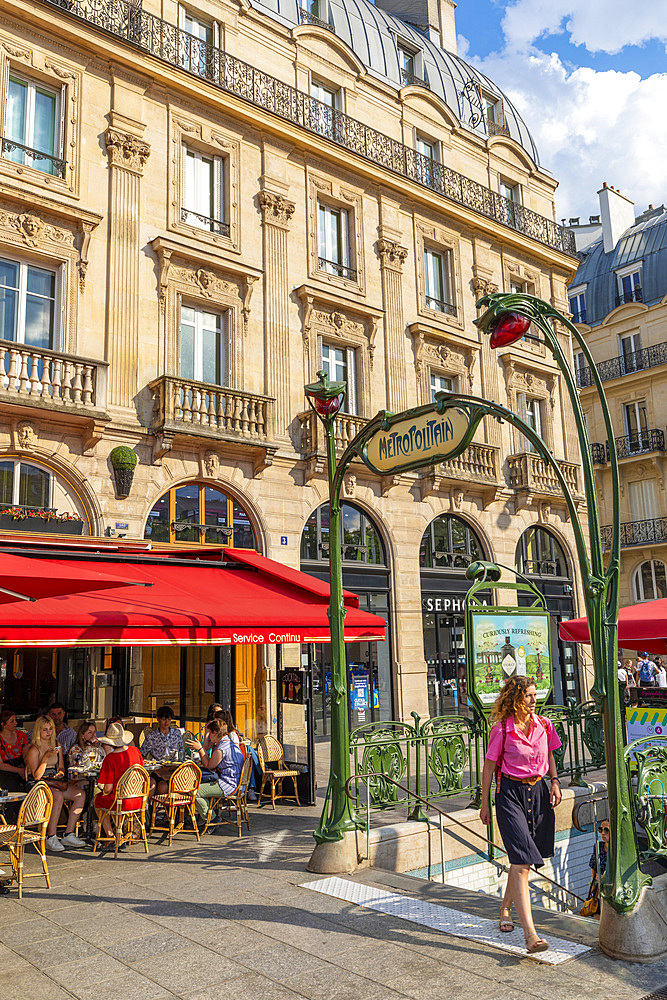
(229, 916)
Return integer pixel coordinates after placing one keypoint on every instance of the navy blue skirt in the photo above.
(526, 821)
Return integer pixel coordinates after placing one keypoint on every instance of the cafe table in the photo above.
(87, 776)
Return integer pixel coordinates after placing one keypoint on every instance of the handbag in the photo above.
(592, 904)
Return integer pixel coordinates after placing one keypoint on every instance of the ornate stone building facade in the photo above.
(617, 299)
(203, 204)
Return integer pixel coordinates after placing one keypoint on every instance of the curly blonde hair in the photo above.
(511, 697)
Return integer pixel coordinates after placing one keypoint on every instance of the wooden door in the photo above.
(249, 701)
(162, 678)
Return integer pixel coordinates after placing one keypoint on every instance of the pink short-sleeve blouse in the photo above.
(524, 756)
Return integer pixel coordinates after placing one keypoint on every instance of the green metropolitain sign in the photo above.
(419, 437)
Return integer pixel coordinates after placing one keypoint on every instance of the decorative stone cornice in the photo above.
(127, 151)
(392, 255)
(276, 210)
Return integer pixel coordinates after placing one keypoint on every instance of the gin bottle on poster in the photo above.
(508, 659)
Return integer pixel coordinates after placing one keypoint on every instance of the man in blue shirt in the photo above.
(647, 671)
(165, 742)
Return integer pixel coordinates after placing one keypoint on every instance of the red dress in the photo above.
(115, 764)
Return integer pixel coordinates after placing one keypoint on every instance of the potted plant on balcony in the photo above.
(124, 462)
(44, 520)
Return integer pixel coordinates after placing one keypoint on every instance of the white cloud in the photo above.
(598, 25)
(589, 126)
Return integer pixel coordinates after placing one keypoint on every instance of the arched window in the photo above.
(360, 540)
(25, 485)
(201, 514)
(35, 498)
(538, 553)
(449, 543)
(650, 581)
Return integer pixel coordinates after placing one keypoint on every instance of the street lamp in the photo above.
(507, 318)
(336, 842)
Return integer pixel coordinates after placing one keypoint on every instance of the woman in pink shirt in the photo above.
(520, 752)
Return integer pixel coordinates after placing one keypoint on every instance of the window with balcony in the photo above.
(340, 364)
(333, 232)
(650, 581)
(510, 207)
(204, 355)
(429, 155)
(580, 367)
(494, 113)
(643, 500)
(530, 410)
(629, 286)
(438, 284)
(630, 346)
(410, 66)
(636, 426)
(315, 12)
(198, 44)
(578, 307)
(324, 117)
(27, 304)
(202, 514)
(442, 383)
(203, 192)
(33, 126)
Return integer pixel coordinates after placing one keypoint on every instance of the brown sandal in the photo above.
(539, 944)
(506, 924)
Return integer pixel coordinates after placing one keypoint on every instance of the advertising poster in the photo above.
(645, 723)
(508, 644)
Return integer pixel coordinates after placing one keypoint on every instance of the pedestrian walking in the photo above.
(520, 753)
(646, 670)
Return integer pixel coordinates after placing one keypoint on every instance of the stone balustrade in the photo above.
(478, 463)
(346, 427)
(212, 410)
(37, 377)
(531, 474)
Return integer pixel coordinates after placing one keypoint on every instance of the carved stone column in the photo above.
(276, 216)
(127, 156)
(393, 256)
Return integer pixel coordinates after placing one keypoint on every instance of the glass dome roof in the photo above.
(373, 35)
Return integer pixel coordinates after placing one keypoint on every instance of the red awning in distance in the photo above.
(641, 626)
(244, 599)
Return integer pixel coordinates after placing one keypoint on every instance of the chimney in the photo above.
(434, 17)
(617, 214)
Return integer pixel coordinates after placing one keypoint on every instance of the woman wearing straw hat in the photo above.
(119, 757)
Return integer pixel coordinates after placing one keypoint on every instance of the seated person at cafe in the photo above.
(13, 745)
(65, 735)
(44, 762)
(221, 762)
(159, 744)
(226, 716)
(213, 709)
(87, 750)
(121, 755)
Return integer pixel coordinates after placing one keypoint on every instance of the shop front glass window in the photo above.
(200, 514)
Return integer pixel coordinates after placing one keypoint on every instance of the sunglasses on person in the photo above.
(604, 829)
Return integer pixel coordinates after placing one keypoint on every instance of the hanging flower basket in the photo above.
(124, 462)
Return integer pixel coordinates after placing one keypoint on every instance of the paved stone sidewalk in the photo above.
(228, 917)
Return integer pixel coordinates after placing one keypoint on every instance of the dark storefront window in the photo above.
(200, 514)
(541, 559)
(365, 574)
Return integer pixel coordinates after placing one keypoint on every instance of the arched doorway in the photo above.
(541, 558)
(365, 573)
(448, 546)
(190, 678)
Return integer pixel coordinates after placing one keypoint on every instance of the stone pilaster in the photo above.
(277, 213)
(127, 157)
(393, 256)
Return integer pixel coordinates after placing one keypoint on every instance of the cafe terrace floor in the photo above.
(232, 917)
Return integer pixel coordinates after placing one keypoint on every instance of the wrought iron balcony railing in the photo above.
(633, 295)
(411, 79)
(165, 41)
(204, 222)
(652, 530)
(496, 128)
(625, 364)
(333, 267)
(639, 444)
(18, 153)
(579, 316)
(307, 17)
(599, 453)
(440, 305)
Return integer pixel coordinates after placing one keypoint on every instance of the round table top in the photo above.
(11, 797)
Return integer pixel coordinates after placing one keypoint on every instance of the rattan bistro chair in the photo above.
(238, 800)
(272, 762)
(180, 797)
(134, 783)
(35, 811)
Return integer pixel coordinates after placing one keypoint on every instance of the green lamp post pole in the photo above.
(507, 318)
(336, 843)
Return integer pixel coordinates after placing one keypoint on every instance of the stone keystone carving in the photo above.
(126, 150)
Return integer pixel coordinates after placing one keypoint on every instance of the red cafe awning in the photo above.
(242, 598)
(641, 626)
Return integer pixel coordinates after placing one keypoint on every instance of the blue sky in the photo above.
(590, 79)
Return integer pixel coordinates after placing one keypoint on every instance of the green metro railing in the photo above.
(443, 757)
